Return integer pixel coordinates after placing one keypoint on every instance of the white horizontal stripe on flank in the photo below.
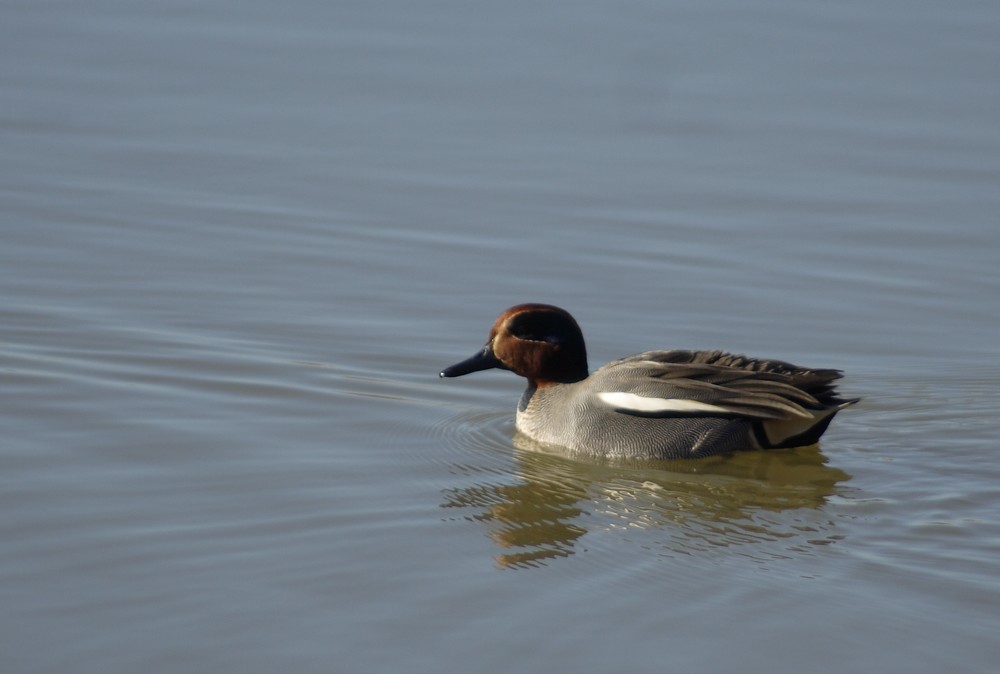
(636, 403)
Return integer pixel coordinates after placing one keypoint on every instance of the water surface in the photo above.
(241, 239)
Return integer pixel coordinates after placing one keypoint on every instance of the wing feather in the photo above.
(731, 383)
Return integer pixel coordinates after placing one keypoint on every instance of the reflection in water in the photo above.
(699, 505)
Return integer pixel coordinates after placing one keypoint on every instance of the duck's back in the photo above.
(684, 404)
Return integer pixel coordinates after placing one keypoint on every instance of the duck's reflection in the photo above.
(541, 510)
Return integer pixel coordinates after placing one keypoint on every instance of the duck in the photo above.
(672, 404)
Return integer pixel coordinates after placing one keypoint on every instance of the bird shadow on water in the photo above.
(550, 506)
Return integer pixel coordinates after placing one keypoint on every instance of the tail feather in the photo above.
(797, 432)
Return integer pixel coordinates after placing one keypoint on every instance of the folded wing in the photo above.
(793, 405)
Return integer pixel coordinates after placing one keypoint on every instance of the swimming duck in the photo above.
(658, 404)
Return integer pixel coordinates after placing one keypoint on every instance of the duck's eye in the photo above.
(536, 328)
(532, 336)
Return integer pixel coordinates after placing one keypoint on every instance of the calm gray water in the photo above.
(240, 239)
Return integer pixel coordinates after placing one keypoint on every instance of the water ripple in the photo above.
(539, 506)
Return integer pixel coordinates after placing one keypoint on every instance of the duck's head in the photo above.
(538, 341)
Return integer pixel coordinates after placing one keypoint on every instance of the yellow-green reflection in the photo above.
(719, 501)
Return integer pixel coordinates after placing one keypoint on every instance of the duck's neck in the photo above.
(522, 404)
